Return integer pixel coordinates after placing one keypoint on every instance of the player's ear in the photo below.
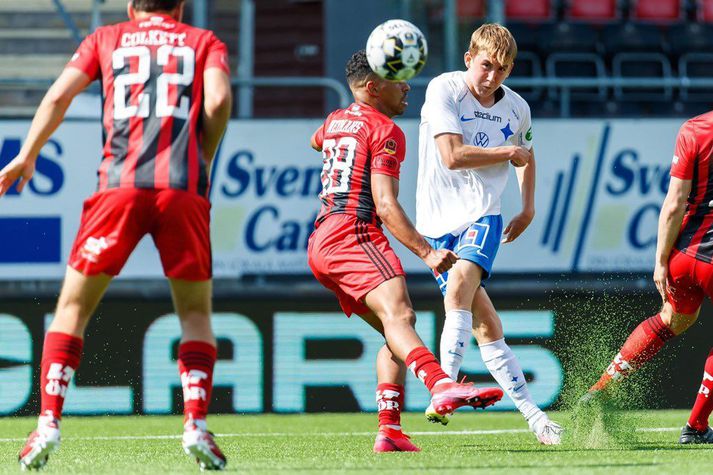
(130, 12)
(373, 87)
(467, 58)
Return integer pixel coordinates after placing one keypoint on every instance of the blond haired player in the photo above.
(472, 128)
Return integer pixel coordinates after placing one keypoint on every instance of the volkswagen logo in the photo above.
(482, 139)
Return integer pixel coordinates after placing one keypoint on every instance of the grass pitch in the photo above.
(342, 443)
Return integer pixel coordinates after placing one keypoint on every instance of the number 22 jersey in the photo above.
(152, 80)
(356, 142)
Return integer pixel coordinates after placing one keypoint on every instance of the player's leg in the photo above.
(677, 314)
(697, 430)
(476, 248)
(645, 342)
(110, 229)
(391, 303)
(505, 368)
(181, 232)
(61, 355)
(463, 281)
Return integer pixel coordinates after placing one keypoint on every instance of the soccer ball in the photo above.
(396, 50)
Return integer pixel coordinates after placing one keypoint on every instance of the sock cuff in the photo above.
(460, 319)
(63, 343)
(416, 353)
(657, 325)
(390, 387)
(197, 346)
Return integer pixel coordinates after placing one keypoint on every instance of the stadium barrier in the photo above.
(303, 355)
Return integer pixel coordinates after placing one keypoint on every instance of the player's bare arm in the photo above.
(47, 118)
(385, 190)
(670, 220)
(458, 156)
(313, 142)
(526, 182)
(216, 109)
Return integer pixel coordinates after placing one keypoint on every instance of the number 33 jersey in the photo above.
(356, 142)
(152, 79)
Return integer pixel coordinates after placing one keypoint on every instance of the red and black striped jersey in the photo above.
(152, 81)
(692, 161)
(356, 142)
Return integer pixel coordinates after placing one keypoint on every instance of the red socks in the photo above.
(60, 359)
(644, 342)
(389, 402)
(195, 364)
(704, 401)
(425, 367)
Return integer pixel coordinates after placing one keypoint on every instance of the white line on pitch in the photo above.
(326, 434)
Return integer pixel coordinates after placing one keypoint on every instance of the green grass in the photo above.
(342, 443)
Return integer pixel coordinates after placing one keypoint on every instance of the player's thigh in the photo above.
(390, 299)
(181, 233)
(685, 293)
(191, 298)
(486, 322)
(463, 282)
(80, 295)
(112, 224)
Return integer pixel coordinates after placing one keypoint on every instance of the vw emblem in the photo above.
(482, 139)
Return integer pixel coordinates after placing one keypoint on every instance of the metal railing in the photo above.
(565, 85)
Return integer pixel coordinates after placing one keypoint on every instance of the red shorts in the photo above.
(689, 281)
(114, 221)
(351, 258)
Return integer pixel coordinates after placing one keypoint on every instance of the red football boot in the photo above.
(447, 397)
(392, 440)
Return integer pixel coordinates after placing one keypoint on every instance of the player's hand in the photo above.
(18, 168)
(517, 225)
(661, 281)
(441, 260)
(518, 156)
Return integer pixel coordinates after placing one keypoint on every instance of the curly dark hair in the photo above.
(358, 69)
(155, 5)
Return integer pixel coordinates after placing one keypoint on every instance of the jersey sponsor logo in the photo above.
(386, 162)
(481, 115)
(675, 159)
(481, 139)
(93, 247)
(390, 147)
(528, 135)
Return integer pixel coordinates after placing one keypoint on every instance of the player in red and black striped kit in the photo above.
(167, 101)
(683, 272)
(362, 150)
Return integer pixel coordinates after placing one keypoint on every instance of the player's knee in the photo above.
(677, 322)
(402, 317)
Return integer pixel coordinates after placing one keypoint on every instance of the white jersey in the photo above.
(447, 201)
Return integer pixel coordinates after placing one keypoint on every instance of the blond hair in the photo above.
(495, 40)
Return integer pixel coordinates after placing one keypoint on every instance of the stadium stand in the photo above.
(556, 39)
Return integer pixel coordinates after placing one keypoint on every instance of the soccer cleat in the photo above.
(689, 435)
(199, 443)
(392, 440)
(436, 418)
(447, 397)
(546, 431)
(40, 444)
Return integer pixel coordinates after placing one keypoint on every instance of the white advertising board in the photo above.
(599, 188)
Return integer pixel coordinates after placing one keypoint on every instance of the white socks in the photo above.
(502, 364)
(457, 331)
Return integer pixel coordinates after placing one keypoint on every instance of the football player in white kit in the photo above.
(472, 128)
